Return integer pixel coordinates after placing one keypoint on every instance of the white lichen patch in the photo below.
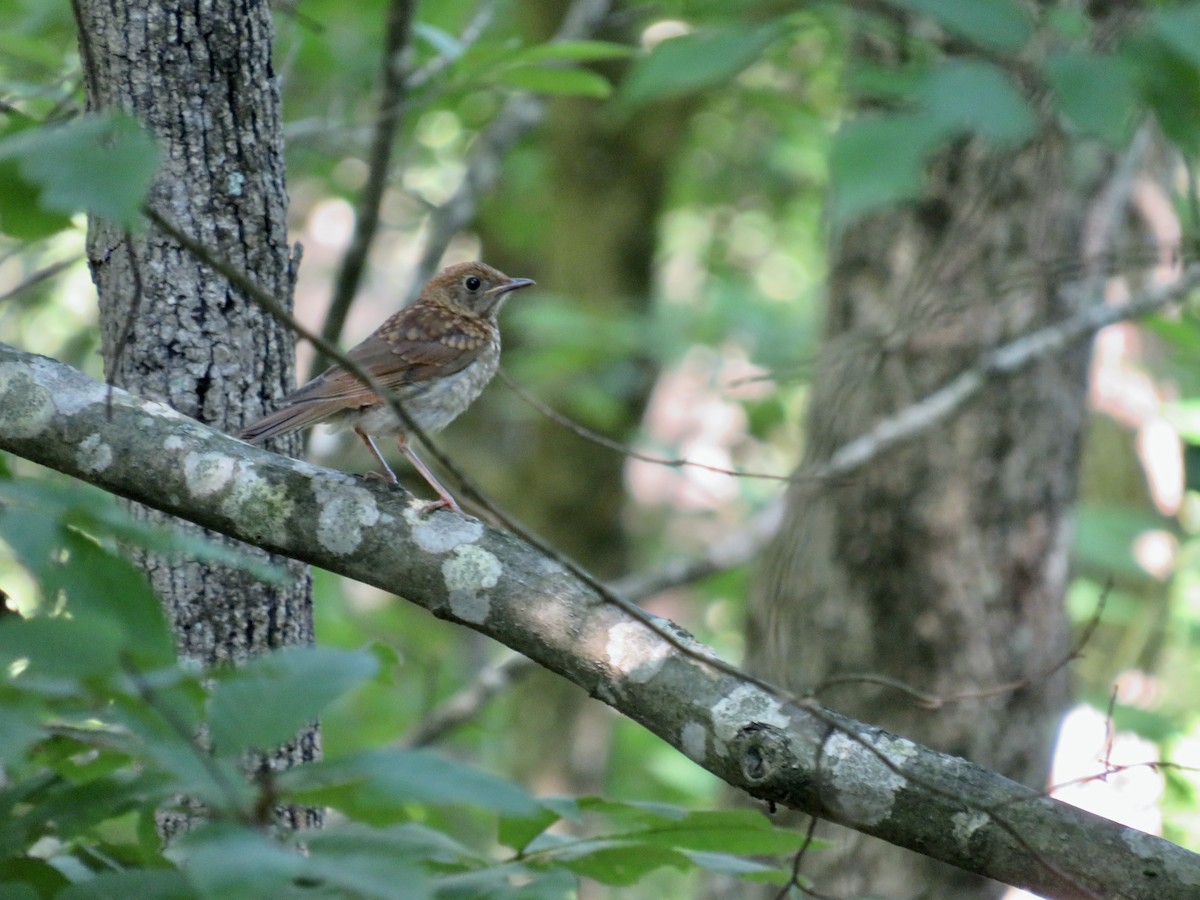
(174, 442)
(966, 824)
(441, 534)
(207, 473)
(694, 741)
(263, 507)
(1139, 842)
(26, 407)
(345, 510)
(636, 652)
(93, 454)
(70, 389)
(864, 787)
(468, 574)
(740, 707)
(160, 410)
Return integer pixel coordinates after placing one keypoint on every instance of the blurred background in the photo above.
(676, 217)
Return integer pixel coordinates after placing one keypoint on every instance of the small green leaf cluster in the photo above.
(99, 163)
(1012, 78)
(102, 730)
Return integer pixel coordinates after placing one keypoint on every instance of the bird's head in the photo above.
(472, 288)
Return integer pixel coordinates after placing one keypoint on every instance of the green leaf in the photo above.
(575, 51)
(1096, 93)
(518, 831)
(880, 160)
(270, 698)
(1104, 537)
(66, 160)
(144, 884)
(25, 873)
(236, 863)
(23, 215)
(23, 717)
(1170, 84)
(696, 62)
(877, 161)
(53, 503)
(977, 96)
(1179, 28)
(729, 831)
(557, 81)
(727, 864)
(104, 588)
(375, 786)
(366, 862)
(1002, 24)
(510, 881)
(104, 593)
(58, 648)
(623, 864)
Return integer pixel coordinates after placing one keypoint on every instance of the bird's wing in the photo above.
(416, 344)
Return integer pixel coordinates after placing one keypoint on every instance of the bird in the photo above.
(435, 356)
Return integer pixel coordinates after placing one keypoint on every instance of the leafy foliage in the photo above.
(52, 170)
(101, 730)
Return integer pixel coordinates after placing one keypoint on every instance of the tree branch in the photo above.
(786, 753)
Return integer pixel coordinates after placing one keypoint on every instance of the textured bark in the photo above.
(794, 755)
(943, 564)
(199, 77)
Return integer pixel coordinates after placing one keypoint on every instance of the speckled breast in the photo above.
(436, 403)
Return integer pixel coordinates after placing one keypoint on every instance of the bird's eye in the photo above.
(472, 283)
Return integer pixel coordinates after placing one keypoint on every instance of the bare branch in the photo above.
(914, 420)
(1003, 361)
(43, 274)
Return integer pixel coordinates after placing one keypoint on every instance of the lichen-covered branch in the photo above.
(790, 754)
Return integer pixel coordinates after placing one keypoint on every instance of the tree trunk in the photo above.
(943, 564)
(199, 77)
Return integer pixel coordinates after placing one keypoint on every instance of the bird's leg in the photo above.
(390, 477)
(444, 498)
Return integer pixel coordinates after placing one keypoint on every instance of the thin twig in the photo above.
(472, 32)
(595, 437)
(936, 701)
(43, 274)
(1005, 360)
(131, 314)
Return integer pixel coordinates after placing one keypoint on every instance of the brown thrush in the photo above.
(436, 356)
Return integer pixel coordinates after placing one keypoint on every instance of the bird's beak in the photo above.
(501, 289)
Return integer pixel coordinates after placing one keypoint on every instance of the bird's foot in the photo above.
(443, 502)
(392, 482)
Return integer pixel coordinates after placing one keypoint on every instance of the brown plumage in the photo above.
(436, 355)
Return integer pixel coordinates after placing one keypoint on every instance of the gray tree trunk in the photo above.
(944, 563)
(199, 77)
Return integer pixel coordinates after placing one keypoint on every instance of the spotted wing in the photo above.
(418, 343)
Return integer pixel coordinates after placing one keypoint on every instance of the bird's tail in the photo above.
(290, 418)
